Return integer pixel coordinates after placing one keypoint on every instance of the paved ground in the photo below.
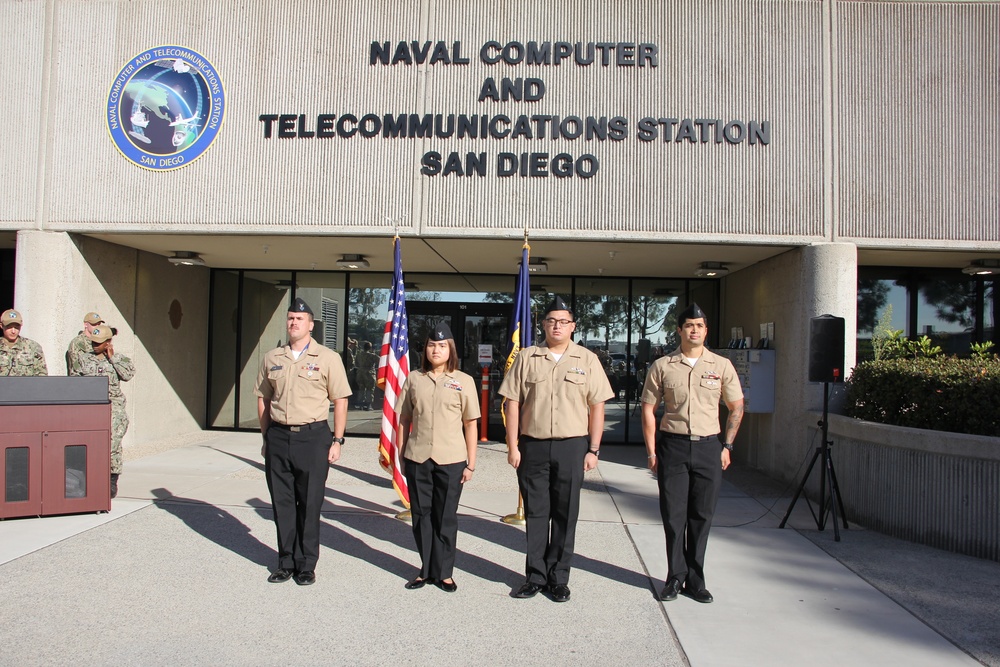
(175, 574)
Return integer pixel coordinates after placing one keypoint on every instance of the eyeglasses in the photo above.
(552, 322)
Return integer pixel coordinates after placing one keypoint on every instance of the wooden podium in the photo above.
(55, 446)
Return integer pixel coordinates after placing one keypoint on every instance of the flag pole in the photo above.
(392, 372)
(523, 327)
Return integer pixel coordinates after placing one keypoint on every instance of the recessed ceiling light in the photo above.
(353, 262)
(711, 270)
(983, 267)
(186, 258)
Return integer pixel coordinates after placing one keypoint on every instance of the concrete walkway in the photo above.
(175, 575)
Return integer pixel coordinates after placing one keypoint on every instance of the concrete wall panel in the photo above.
(919, 142)
(22, 34)
(745, 61)
(61, 277)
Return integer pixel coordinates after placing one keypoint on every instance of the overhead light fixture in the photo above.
(284, 284)
(353, 262)
(536, 265)
(711, 270)
(186, 258)
(983, 267)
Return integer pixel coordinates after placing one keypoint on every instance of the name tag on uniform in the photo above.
(576, 371)
(453, 384)
(276, 368)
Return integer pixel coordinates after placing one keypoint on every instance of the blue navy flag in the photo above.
(521, 328)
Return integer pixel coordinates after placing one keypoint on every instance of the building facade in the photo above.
(830, 157)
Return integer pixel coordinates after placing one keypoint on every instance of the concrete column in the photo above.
(789, 290)
(159, 310)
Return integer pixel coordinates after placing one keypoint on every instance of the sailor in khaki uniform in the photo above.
(555, 419)
(440, 403)
(295, 387)
(685, 452)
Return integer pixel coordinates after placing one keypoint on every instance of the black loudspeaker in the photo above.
(826, 349)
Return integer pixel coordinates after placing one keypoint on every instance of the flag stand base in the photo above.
(404, 516)
(515, 519)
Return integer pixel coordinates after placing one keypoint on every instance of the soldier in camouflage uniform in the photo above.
(102, 361)
(366, 363)
(81, 344)
(19, 356)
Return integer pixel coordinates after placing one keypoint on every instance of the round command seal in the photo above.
(165, 108)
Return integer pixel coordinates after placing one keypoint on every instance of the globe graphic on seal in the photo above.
(164, 107)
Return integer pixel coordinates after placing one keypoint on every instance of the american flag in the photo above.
(393, 367)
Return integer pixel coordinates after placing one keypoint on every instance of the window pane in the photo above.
(881, 303)
(655, 304)
(946, 313)
(76, 471)
(16, 482)
(222, 374)
(266, 297)
(602, 310)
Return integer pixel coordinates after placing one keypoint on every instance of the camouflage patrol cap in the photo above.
(100, 333)
(11, 316)
(93, 318)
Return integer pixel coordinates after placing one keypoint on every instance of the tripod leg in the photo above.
(835, 489)
(798, 492)
(828, 472)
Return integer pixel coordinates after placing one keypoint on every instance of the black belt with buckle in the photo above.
(690, 438)
(296, 429)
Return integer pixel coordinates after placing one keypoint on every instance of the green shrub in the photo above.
(929, 392)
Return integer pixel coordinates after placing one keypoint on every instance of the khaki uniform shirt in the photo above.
(438, 409)
(691, 396)
(555, 397)
(300, 390)
(23, 358)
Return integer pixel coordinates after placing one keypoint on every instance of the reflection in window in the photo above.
(881, 303)
(946, 313)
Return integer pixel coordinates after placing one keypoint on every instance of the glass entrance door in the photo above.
(480, 331)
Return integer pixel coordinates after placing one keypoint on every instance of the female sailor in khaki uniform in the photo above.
(440, 403)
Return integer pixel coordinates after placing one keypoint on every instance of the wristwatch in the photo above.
(339, 441)
(595, 452)
(728, 445)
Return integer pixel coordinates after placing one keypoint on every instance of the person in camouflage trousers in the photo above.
(80, 345)
(103, 361)
(19, 356)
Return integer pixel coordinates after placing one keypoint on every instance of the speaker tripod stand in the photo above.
(828, 477)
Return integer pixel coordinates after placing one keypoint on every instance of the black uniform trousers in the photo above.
(434, 494)
(296, 467)
(550, 477)
(689, 476)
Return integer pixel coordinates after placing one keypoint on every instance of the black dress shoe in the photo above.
(559, 592)
(527, 590)
(702, 596)
(671, 590)
(279, 576)
(414, 584)
(446, 586)
(305, 578)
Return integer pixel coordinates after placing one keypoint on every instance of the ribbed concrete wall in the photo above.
(882, 118)
(731, 60)
(22, 34)
(946, 495)
(918, 94)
